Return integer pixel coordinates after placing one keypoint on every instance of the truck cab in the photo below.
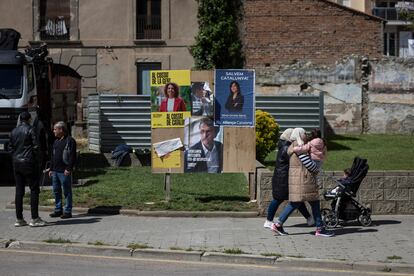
(17, 92)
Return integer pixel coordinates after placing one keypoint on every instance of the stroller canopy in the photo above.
(359, 170)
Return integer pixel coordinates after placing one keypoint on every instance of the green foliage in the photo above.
(234, 251)
(218, 43)
(267, 134)
(407, 16)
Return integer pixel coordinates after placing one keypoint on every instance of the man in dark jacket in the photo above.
(61, 169)
(24, 149)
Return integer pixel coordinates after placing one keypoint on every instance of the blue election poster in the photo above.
(234, 98)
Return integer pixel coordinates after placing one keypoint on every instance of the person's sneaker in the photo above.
(329, 194)
(322, 232)
(20, 223)
(55, 214)
(277, 228)
(66, 215)
(38, 222)
(310, 221)
(268, 224)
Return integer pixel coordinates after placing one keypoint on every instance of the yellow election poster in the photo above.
(170, 91)
(169, 119)
(172, 160)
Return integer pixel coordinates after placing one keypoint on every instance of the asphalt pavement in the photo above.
(388, 242)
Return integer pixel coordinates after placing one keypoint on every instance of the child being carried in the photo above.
(316, 147)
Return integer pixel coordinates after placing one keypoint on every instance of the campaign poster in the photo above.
(234, 97)
(169, 119)
(170, 91)
(203, 142)
(202, 99)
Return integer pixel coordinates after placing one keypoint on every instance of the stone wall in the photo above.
(385, 192)
(391, 96)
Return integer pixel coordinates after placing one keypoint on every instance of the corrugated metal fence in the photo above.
(115, 119)
(119, 119)
(294, 111)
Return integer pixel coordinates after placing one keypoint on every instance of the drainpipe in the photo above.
(365, 71)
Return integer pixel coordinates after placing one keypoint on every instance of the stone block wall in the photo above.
(385, 192)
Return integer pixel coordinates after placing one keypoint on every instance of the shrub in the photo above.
(267, 134)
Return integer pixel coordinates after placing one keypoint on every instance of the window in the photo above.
(389, 44)
(148, 19)
(54, 19)
(143, 76)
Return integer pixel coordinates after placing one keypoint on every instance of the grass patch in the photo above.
(271, 255)
(133, 187)
(384, 152)
(97, 243)
(58, 240)
(138, 246)
(296, 256)
(394, 257)
(181, 249)
(234, 251)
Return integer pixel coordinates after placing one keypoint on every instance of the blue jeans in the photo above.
(292, 206)
(274, 204)
(59, 181)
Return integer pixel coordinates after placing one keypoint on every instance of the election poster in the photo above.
(202, 99)
(234, 98)
(204, 146)
(170, 91)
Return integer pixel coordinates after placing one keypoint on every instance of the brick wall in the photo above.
(385, 192)
(277, 32)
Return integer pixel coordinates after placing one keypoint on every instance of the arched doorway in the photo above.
(65, 94)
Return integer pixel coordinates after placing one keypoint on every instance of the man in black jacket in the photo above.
(24, 149)
(61, 169)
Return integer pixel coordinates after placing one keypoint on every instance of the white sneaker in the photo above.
(268, 224)
(310, 221)
(37, 222)
(20, 223)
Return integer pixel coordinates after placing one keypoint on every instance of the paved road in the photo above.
(38, 263)
(390, 237)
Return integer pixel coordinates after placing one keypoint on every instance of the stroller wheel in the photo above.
(329, 218)
(365, 220)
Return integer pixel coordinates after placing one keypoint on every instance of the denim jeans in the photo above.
(274, 204)
(59, 181)
(292, 206)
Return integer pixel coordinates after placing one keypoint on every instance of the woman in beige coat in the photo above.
(302, 186)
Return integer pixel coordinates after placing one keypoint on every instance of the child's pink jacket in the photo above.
(316, 147)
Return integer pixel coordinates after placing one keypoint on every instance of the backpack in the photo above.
(120, 155)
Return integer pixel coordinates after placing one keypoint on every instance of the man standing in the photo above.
(61, 169)
(206, 155)
(24, 149)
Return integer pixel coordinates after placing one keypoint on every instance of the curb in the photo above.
(132, 212)
(200, 256)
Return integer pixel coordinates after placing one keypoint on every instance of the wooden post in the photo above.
(252, 186)
(167, 186)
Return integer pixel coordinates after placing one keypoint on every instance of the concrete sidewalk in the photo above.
(390, 239)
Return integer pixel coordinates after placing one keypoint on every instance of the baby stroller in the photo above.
(344, 207)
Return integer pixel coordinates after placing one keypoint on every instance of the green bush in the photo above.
(267, 134)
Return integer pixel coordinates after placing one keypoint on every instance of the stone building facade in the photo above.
(108, 43)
